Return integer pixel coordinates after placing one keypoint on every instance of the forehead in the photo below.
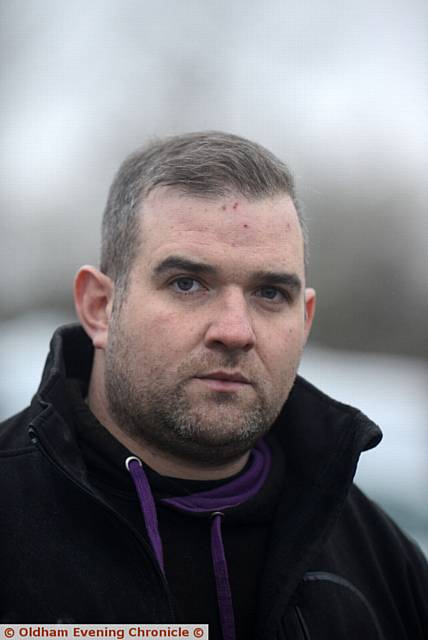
(231, 229)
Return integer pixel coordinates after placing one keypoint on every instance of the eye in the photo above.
(272, 294)
(185, 284)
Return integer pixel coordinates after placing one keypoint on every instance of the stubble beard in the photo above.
(215, 428)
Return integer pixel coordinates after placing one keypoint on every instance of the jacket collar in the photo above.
(51, 414)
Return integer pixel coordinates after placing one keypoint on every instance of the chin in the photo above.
(213, 447)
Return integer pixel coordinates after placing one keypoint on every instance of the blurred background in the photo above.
(336, 89)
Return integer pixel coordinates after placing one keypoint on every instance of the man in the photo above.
(171, 467)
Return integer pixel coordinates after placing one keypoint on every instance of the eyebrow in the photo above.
(289, 280)
(185, 264)
(172, 263)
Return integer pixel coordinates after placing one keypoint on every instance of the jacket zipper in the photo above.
(38, 441)
(302, 623)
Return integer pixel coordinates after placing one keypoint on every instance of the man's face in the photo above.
(204, 349)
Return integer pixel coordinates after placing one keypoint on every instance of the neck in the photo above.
(173, 467)
(161, 462)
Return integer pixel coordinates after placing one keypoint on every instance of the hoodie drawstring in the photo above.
(135, 468)
(213, 502)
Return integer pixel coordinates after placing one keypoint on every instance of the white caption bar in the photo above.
(115, 631)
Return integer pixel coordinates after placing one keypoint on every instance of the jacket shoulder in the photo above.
(400, 560)
(380, 528)
(376, 568)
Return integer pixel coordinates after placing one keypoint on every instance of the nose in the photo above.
(230, 325)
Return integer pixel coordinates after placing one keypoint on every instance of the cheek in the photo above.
(284, 349)
(164, 336)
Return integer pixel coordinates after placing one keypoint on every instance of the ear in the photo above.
(93, 298)
(310, 304)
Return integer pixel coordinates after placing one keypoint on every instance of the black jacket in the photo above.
(338, 567)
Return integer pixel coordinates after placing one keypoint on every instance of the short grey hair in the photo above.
(208, 164)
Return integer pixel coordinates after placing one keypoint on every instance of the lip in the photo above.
(227, 376)
(224, 381)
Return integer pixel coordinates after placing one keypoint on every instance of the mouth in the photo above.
(224, 381)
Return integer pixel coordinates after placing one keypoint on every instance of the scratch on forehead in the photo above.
(244, 223)
(233, 206)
